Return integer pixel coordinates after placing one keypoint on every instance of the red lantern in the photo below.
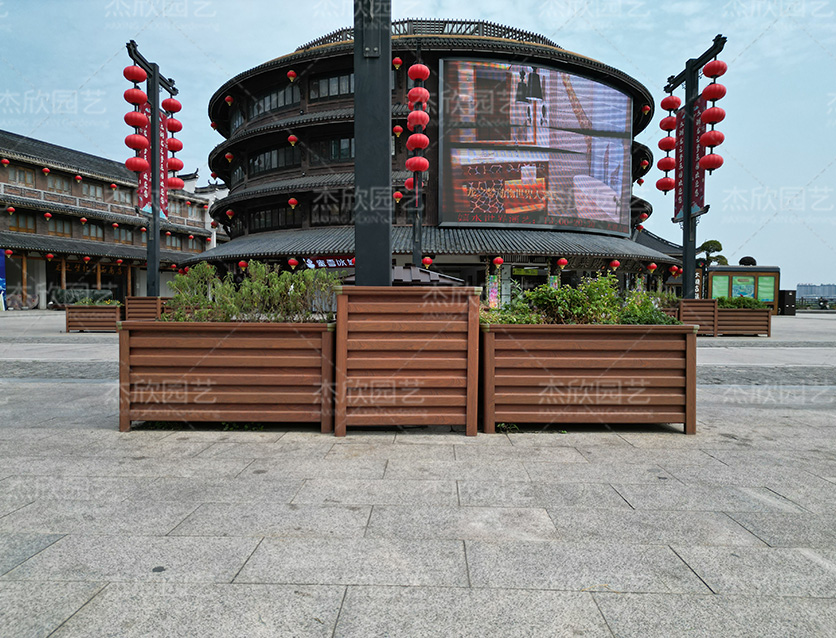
(417, 140)
(667, 143)
(397, 62)
(49, 256)
(47, 216)
(292, 139)
(672, 270)
(174, 145)
(640, 228)
(137, 142)
(646, 109)
(711, 162)
(135, 96)
(562, 263)
(137, 164)
(9, 252)
(229, 157)
(113, 187)
(168, 233)
(666, 164)
(665, 184)
(45, 170)
(643, 216)
(137, 119)
(206, 207)
(498, 261)
(292, 262)
(417, 118)
(243, 265)
(78, 178)
(615, 264)
(417, 164)
(118, 262)
(213, 124)
(86, 259)
(712, 138)
(418, 94)
(291, 75)
(668, 123)
(418, 72)
(4, 162)
(397, 130)
(652, 266)
(644, 163)
(213, 175)
(639, 181)
(713, 115)
(10, 210)
(115, 225)
(181, 272)
(427, 261)
(191, 236)
(174, 164)
(134, 74)
(715, 69)
(174, 266)
(208, 239)
(714, 92)
(83, 220)
(214, 224)
(188, 202)
(171, 105)
(670, 103)
(175, 183)
(293, 203)
(229, 100)
(173, 125)
(398, 196)
(230, 213)
(143, 229)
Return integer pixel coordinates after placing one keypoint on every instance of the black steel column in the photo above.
(372, 140)
(153, 283)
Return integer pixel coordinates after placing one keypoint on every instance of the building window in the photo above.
(175, 207)
(330, 151)
(276, 218)
(237, 119)
(331, 87)
(121, 196)
(58, 184)
(60, 228)
(194, 210)
(123, 235)
(175, 242)
(275, 158)
(23, 223)
(92, 231)
(237, 175)
(93, 191)
(274, 100)
(23, 176)
(194, 245)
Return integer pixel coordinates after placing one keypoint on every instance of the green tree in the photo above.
(710, 247)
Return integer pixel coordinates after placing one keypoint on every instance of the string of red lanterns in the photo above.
(417, 121)
(711, 116)
(136, 119)
(670, 103)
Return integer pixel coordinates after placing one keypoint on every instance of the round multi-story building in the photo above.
(532, 157)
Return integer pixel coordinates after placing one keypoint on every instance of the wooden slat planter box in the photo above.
(263, 372)
(407, 356)
(589, 374)
(671, 312)
(744, 321)
(144, 308)
(702, 312)
(92, 318)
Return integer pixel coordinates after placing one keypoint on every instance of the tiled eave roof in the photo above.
(69, 246)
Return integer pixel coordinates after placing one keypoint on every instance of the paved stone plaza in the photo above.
(634, 531)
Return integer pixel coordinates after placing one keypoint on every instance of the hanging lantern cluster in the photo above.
(670, 103)
(713, 115)
(136, 119)
(417, 120)
(173, 125)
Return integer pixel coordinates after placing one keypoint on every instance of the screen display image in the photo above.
(534, 147)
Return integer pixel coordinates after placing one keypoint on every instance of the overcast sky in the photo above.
(774, 199)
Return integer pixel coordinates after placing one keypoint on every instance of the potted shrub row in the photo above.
(99, 313)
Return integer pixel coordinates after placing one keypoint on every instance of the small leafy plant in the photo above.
(740, 302)
(266, 294)
(88, 301)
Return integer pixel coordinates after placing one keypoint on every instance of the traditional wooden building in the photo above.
(532, 155)
(69, 220)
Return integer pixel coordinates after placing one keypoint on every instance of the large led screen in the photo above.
(533, 147)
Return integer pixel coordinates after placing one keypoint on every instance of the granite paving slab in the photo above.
(129, 466)
(546, 495)
(36, 610)
(326, 491)
(278, 450)
(704, 498)
(790, 530)
(74, 488)
(16, 548)
(415, 451)
(410, 469)
(547, 454)
(227, 490)
(597, 472)
(301, 468)
(357, 561)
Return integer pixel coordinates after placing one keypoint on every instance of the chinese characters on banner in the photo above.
(697, 174)
(144, 189)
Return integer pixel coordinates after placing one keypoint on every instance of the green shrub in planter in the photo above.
(77, 295)
(265, 295)
(740, 302)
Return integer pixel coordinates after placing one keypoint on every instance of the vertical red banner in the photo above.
(144, 188)
(697, 174)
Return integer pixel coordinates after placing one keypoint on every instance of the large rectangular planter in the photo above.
(744, 321)
(272, 373)
(559, 374)
(702, 312)
(92, 318)
(144, 308)
(407, 356)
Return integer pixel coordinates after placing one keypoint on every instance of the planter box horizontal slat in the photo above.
(406, 401)
(144, 308)
(394, 416)
(702, 312)
(407, 328)
(174, 371)
(646, 374)
(406, 345)
(410, 381)
(744, 321)
(382, 308)
(92, 318)
(406, 364)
